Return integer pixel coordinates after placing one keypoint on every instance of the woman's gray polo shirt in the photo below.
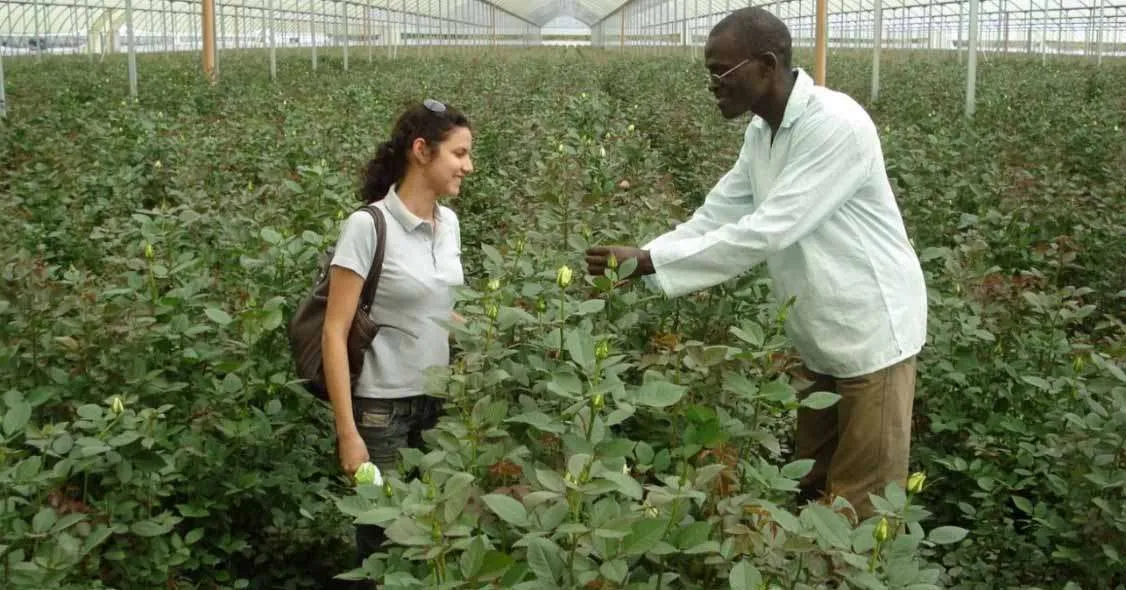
(421, 266)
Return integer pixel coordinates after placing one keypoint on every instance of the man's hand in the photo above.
(598, 259)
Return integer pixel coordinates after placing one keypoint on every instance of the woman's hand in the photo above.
(353, 452)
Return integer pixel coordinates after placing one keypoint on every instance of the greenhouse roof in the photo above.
(24, 17)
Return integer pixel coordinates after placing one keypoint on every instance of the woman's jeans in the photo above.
(387, 425)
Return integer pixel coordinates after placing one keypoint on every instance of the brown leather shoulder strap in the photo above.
(371, 283)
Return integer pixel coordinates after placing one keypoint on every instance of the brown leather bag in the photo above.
(307, 323)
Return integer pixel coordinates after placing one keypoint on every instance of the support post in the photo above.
(819, 49)
(132, 49)
(346, 11)
(1099, 33)
(3, 95)
(209, 41)
(273, 42)
(971, 59)
(877, 42)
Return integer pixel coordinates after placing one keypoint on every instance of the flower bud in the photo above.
(541, 305)
(563, 276)
(339, 215)
(612, 262)
(625, 469)
(598, 401)
(157, 165)
(149, 253)
(1078, 364)
(602, 351)
(491, 311)
(601, 152)
(387, 490)
(368, 473)
(915, 482)
(881, 532)
(117, 406)
(436, 532)
(520, 246)
(631, 127)
(494, 284)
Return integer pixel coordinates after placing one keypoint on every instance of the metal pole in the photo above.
(961, 9)
(367, 25)
(3, 95)
(1099, 33)
(38, 39)
(132, 49)
(313, 37)
(877, 41)
(273, 41)
(971, 67)
(346, 11)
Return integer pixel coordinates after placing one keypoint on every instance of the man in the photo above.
(809, 196)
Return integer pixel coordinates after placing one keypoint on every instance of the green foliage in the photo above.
(597, 435)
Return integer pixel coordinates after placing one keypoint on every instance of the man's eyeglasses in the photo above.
(434, 106)
(717, 79)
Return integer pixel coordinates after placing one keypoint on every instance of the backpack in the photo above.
(307, 323)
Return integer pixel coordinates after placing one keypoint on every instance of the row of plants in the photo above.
(597, 434)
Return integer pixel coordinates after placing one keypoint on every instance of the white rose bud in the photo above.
(368, 473)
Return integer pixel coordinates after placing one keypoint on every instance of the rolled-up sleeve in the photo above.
(825, 168)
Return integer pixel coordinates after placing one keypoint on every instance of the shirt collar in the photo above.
(399, 211)
(797, 101)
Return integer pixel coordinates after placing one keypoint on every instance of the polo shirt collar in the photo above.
(797, 101)
(399, 211)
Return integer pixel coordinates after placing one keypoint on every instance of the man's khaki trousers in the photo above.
(863, 441)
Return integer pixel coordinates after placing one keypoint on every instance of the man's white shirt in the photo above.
(815, 204)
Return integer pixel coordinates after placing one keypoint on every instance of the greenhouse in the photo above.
(562, 294)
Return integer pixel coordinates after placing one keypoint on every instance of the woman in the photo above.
(426, 158)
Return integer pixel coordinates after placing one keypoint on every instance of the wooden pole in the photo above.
(209, 41)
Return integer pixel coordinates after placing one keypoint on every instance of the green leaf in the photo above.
(150, 528)
(379, 516)
(544, 560)
(644, 535)
(660, 394)
(798, 469)
(16, 417)
(694, 534)
(626, 484)
(124, 438)
(615, 570)
(1038, 382)
(831, 527)
(946, 535)
(474, 558)
(193, 536)
(43, 520)
(580, 345)
(895, 494)
(270, 235)
(820, 400)
(1023, 504)
(745, 576)
(551, 480)
(495, 564)
(590, 306)
(750, 333)
(509, 509)
(217, 315)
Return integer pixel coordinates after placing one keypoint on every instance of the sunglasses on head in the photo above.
(434, 106)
